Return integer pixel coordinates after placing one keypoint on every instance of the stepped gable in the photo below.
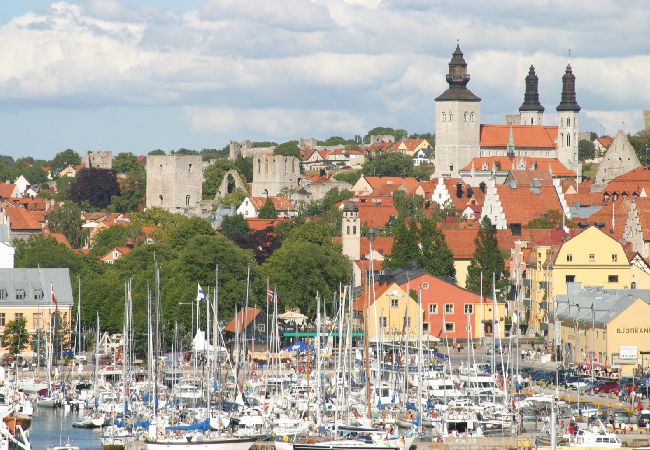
(619, 159)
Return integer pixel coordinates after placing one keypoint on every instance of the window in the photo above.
(633, 285)
(425, 285)
(568, 139)
(37, 318)
(471, 117)
(469, 309)
(20, 294)
(568, 122)
(394, 303)
(433, 309)
(425, 328)
(449, 308)
(261, 327)
(407, 322)
(383, 321)
(450, 116)
(2, 319)
(38, 294)
(3, 294)
(466, 116)
(612, 278)
(444, 117)
(614, 257)
(354, 229)
(449, 326)
(592, 257)
(569, 257)
(570, 278)
(19, 316)
(187, 200)
(451, 168)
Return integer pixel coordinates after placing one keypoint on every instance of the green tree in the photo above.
(268, 211)
(96, 186)
(16, 337)
(551, 219)
(213, 175)
(234, 227)
(66, 219)
(289, 148)
(350, 176)
(405, 253)
(157, 152)
(46, 252)
(63, 187)
(65, 158)
(337, 140)
(586, 150)
(133, 190)
(245, 168)
(126, 163)
(398, 133)
(487, 260)
(187, 229)
(307, 263)
(389, 165)
(112, 237)
(436, 256)
(408, 205)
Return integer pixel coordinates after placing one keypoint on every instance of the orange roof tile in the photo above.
(280, 203)
(505, 163)
(262, 224)
(525, 136)
(7, 190)
(377, 215)
(388, 185)
(605, 141)
(521, 205)
(22, 219)
(243, 318)
(60, 238)
(631, 182)
(463, 201)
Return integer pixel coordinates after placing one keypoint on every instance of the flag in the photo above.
(269, 295)
(200, 295)
(52, 295)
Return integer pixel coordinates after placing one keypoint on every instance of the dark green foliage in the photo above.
(188, 229)
(641, 143)
(389, 165)
(245, 168)
(338, 140)
(420, 243)
(63, 159)
(234, 227)
(96, 186)
(126, 163)
(66, 219)
(551, 220)
(34, 173)
(487, 260)
(208, 154)
(157, 152)
(133, 190)
(398, 133)
(112, 237)
(430, 138)
(306, 263)
(184, 151)
(268, 210)
(288, 149)
(319, 207)
(408, 205)
(214, 174)
(16, 337)
(586, 150)
(351, 177)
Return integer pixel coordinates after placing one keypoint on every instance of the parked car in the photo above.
(575, 383)
(610, 387)
(644, 418)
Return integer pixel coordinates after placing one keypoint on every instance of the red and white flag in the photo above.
(269, 295)
(52, 295)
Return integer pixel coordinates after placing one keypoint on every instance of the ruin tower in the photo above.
(531, 112)
(351, 231)
(458, 115)
(174, 182)
(568, 112)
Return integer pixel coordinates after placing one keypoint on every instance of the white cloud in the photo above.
(612, 121)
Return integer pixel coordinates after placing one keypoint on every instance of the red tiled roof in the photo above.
(7, 190)
(521, 205)
(462, 202)
(605, 141)
(243, 318)
(377, 215)
(439, 290)
(22, 219)
(461, 241)
(60, 238)
(262, 224)
(123, 250)
(631, 182)
(280, 203)
(391, 184)
(525, 136)
(366, 300)
(505, 163)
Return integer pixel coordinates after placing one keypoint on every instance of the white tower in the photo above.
(458, 121)
(568, 112)
(531, 112)
(351, 231)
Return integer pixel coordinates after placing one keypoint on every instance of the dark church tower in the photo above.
(568, 121)
(531, 111)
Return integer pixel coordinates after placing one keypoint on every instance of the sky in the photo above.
(139, 75)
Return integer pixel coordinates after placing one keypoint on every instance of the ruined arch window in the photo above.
(266, 166)
(161, 199)
(285, 166)
(444, 117)
(187, 200)
(451, 116)
(531, 120)
(471, 117)
(293, 166)
(568, 139)
(466, 116)
(259, 166)
(561, 137)
(189, 167)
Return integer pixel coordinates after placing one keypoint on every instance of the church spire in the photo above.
(458, 79)
(531, 97)
(568, 102)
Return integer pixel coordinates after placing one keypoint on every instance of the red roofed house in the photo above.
(460, 136)
(369, 185)
(23, 223)
(251, 206)
(115, 254)
(8, 190)
(410, 146)
(463, 196)
(601, 144)
(374, 212)
(251, 321)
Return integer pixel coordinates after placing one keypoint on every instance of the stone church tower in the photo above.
(568, 121)
(351, 232)
(531, 112)
(458, 121)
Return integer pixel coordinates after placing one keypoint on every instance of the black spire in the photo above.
(568, 102)
(531, 97)
(458, 79)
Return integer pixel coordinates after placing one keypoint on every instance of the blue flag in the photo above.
(200, 295)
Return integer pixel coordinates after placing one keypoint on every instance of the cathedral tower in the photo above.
(568, 121)
(458, 126)
(531, 112)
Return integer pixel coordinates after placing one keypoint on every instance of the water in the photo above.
(50, 424)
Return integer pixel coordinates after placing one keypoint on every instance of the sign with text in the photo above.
(627, 352)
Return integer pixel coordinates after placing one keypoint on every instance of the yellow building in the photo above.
(611, 325)
(35, 295)
(591, 258)
(391, 316)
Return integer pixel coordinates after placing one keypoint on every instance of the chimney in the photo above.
(130, 243)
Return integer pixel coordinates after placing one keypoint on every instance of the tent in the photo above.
(199, 343)
(293, 316)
